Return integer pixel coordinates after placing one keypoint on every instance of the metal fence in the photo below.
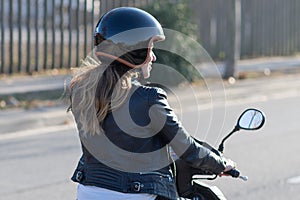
(38, 35)
(268, 27)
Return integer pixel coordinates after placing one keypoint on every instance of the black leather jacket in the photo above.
(145, 126)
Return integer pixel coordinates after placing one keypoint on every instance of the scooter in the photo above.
(188, 178)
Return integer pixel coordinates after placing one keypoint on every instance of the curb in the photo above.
(29, 89)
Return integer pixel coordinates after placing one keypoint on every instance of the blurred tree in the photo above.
(176, 15)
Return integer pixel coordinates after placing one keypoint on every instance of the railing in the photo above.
(41, 34)
(37, 35)
(268, 27)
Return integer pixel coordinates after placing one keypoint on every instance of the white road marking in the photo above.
(294, 180)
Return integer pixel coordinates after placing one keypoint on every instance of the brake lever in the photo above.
(236, 174)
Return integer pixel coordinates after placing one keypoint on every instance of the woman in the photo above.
(126, 129)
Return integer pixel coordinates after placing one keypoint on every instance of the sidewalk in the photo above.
(45, 94)
(27, 84)
(260, 65)
(14, 120)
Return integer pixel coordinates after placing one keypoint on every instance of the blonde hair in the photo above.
(97, 90)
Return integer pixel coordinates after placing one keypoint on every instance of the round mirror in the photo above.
(251, 119)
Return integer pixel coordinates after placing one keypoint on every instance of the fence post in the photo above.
(77, 33)
(11, 39)
(36, 35)
(53, 35)
(93, 19)
(232, 47)
(70, 33)
(85, 29)
(2, 36)
(19, 36)
(28, 38)
(61, 27)
(45, 25)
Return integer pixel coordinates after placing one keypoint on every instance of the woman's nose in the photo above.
(153, 57)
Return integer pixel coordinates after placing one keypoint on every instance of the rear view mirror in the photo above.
(251, 119)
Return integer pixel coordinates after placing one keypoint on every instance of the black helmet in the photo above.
(125, 34)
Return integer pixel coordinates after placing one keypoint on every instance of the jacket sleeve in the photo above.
(174, 134)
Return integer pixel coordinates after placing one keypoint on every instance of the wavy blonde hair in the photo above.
(97, 90)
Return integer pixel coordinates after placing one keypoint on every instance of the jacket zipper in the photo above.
(157, 173)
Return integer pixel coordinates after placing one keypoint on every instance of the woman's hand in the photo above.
(229, 165)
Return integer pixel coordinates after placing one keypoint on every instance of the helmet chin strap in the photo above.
(117, 59)
(152, 40)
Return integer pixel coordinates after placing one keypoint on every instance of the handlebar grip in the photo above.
(233, 172)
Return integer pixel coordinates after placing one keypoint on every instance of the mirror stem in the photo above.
(221, 146)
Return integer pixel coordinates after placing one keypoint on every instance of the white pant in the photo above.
(97, 193)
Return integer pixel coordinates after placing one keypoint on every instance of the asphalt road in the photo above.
(38, 164)
(269, 157)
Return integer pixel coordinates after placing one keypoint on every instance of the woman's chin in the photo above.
(146, 76)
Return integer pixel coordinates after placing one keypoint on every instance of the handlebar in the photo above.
(236, 174)
(233, 172)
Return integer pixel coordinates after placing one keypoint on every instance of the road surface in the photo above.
(37, 164)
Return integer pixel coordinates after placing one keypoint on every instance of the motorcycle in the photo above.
(188, 178)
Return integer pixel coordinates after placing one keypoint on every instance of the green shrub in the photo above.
(175, 15)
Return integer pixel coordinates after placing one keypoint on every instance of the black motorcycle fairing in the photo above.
(184, 175)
